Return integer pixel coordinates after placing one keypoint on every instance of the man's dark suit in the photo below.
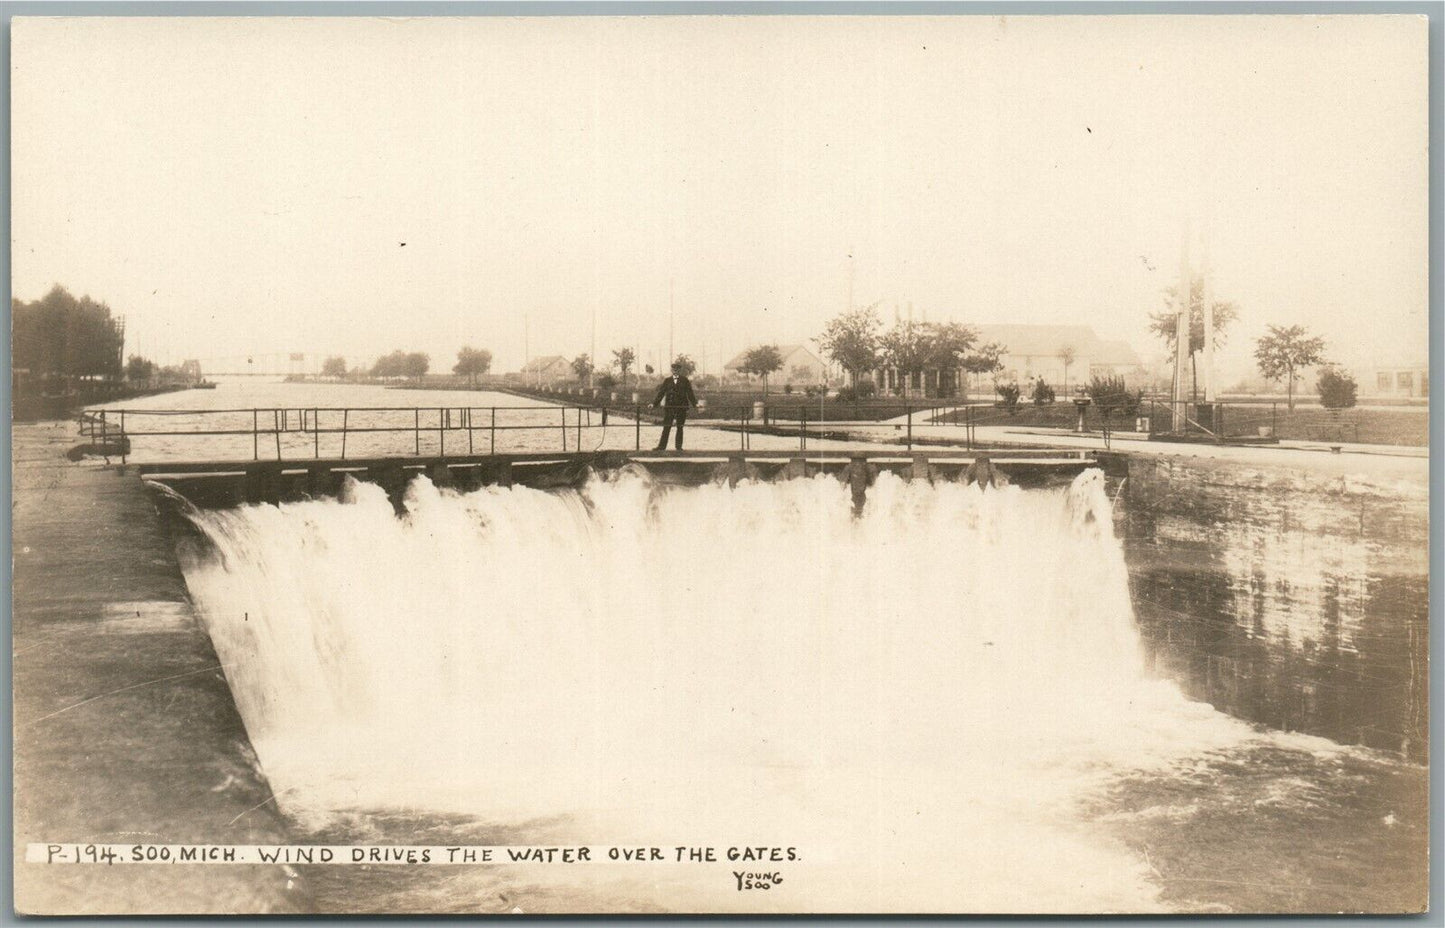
(675, 396)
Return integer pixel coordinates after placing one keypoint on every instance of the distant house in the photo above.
(1063, 356)
(1396, 380)
(1039, 351)
(549, 369)
(1118, 358)
(800, 366)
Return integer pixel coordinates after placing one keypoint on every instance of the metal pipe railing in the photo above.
(350, 421)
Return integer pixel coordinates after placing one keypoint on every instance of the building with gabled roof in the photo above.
(551, 368)
(800, 366)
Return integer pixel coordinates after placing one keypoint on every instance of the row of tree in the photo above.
(59, 335)
(856, 341)
(471, 363)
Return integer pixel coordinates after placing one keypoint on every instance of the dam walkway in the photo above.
(228, 483)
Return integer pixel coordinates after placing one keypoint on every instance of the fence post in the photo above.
(578, 443)
(1274, 419)
(416, 428)
(441, 431)
(255, 434)
(803, 429)
(125, 442)
(468, 414)
(345, 414)
(909, 407)
(637, 424)
(275, 420)
(493, 432)
(316, 432)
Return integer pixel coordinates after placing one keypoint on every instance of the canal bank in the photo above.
(1293, 596)
(124, 728)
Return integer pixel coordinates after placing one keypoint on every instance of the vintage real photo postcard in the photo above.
(720, 464)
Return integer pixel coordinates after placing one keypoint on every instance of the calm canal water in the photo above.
(275, 420)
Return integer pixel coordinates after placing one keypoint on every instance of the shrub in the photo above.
(1043, 393)
(787, 388)
(861, 390)
(1337, 389)
(1110, 395)
(1008, 396)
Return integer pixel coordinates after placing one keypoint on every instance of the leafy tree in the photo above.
(416, 364)
(913, 347)
(1284, 351)
(688, 364)
(139, 369)
(852, 340)
(582, 366)
(1164, 324)
(472, 362)
(401, 364)
(985, 359)
(389, 365)
(1337, 389)
(605, 381)
(950, 345)
(762, 361)
(63, 336)
(623, 359)
(908, 348)
(1067, 354)
(333, 367)
(1043, 393)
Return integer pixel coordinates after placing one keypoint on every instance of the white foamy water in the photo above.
(916, 698)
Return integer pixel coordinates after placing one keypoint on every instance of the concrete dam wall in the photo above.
(1291, 596)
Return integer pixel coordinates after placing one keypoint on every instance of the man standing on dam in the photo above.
(675, 396)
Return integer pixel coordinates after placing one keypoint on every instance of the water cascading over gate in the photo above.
(913, 696)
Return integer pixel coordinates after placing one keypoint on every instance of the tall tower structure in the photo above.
(1177, 408)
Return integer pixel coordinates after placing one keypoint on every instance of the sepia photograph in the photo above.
(714, 463)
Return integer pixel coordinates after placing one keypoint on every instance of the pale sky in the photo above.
(243, 186)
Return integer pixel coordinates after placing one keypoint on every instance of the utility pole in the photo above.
(1181, 337)
(1208, 272)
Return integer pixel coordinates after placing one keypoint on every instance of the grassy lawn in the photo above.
(1401, 425)
(1406, 425)
(1397, 425)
